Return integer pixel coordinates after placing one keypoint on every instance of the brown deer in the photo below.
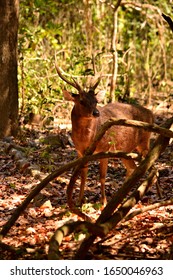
(86, 120)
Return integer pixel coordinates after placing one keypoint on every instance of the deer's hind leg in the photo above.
(103, 171)
(129, 165)
(144, 144)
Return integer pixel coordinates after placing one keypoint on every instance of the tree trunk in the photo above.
(8, 65)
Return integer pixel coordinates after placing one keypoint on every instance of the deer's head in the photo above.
(86, 100)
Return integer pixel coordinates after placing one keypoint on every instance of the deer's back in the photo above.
(125, 111)
(121, 137)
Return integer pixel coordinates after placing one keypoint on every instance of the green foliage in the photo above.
(75, 31)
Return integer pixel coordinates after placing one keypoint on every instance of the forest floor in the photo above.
(146, 236)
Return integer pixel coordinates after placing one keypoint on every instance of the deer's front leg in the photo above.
(84, 172)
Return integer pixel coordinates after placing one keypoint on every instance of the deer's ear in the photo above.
(68, 95)
(100, 95)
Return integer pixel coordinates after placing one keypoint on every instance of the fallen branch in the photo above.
(120, 213)
(148, 208)
(136, 234)
(67, 229)
(131, 201)
(95, 229)
(138, 212)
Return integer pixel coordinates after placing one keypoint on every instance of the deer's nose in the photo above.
(96, 113)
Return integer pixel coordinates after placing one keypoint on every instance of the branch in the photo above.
(138, 124)
(117, 5)
(130, 202)
(146, 126)
(112, 220)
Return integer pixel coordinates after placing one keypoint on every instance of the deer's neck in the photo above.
(83, 132)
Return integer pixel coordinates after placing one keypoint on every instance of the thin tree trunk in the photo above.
(115, 60)
(114, 53)
(88, 27)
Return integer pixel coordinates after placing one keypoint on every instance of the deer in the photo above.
(87, 117)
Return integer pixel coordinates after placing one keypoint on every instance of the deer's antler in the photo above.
(72, 83)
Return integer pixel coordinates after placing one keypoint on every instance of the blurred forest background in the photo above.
(131, 47)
